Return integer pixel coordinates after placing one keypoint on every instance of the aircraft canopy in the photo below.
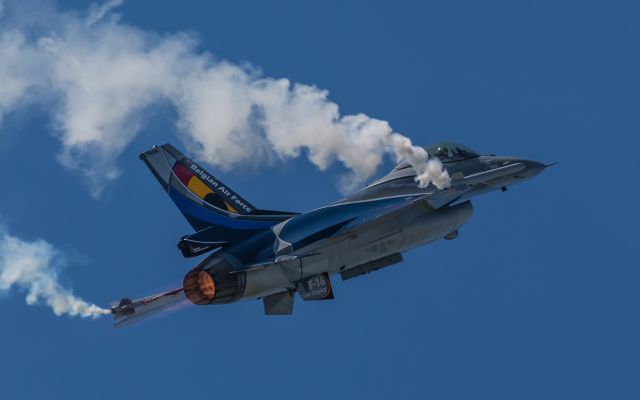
(449, 151)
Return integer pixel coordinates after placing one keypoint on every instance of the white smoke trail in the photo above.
(31, 266)
(99, 76)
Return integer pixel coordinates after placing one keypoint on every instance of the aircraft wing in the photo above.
(128, 311)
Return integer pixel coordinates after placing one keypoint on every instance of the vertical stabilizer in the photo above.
(215, 211)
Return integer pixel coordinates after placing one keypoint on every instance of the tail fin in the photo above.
(217, 213)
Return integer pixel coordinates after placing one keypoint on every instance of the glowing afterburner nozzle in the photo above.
(206, 285)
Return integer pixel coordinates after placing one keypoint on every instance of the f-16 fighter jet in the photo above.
(272, 255)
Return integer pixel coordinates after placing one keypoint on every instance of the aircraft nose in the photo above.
(532, 168)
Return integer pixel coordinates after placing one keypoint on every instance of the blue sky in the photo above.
(537, 297)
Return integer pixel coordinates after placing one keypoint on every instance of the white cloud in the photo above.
(101, 76)
(98, 12)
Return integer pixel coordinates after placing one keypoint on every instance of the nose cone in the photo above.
(531, 168)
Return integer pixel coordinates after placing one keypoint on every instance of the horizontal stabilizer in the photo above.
(128, 311)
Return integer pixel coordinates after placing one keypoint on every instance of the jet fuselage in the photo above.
(387, 218)
(273, 254)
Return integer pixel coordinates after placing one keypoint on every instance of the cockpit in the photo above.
(446, 152)
(450, 152)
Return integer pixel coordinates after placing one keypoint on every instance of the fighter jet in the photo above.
(272, 255)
